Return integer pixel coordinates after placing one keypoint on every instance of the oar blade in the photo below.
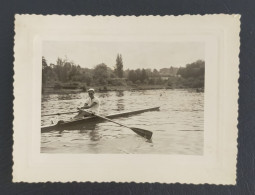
(144, 133)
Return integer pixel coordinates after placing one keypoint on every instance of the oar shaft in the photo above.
(111, 121)
(144, 133)
(59, 113)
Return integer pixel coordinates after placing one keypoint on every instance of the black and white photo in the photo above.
(126, 99)
(155, 89)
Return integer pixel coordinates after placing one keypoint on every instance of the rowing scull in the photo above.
(69, 125)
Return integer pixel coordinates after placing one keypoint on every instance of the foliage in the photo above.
(135, 75)
(57, 86)
(117, 81)
(101, 74)
(119, 66)
(66, 74)
(138, 82)
(193, 74)
(193, 70)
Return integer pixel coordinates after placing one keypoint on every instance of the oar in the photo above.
(142, 132)
(60, 113)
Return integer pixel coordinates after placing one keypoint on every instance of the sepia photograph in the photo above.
(126, 99)
(122, 97)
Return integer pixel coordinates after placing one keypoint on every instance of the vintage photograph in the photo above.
(122, 97)
(126, 99)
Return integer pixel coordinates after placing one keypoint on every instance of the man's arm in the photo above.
(87, 107)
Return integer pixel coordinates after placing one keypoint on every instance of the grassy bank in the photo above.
(66, 88)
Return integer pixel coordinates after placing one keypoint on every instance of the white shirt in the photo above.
(95, 108)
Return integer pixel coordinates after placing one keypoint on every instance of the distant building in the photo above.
(165, 73)
(165, 77)
(172, 71)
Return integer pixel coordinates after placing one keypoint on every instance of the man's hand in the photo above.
(84, 107)
(92, 113)
(89, 112)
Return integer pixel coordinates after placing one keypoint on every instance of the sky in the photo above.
(134, 54)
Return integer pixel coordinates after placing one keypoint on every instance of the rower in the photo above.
(92, 105)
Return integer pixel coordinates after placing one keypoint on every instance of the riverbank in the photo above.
(78, 89)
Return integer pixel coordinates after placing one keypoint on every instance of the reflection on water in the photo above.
(119, 93)
(94, 135)
(120, 105)
(120, 101)
(177, 128)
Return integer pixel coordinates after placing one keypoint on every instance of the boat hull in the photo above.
(91, 121)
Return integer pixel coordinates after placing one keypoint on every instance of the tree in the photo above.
(193, 70)
(158, 81)
(143, 75)
(132, 76)
(138, 73)
(126, 73)
(48, 73)
(86, 76)
(155, 73)
(152, 81)
(138, 82)
(44, 63)
(111, 73)
(148, 72)
(119, 66)
(66, 71)
(101, 73)
(44, 70)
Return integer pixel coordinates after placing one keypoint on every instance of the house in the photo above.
(172, 71)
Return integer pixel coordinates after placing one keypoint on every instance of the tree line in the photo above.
(66, 71)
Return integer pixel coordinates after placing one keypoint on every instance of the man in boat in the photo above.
(91, 105)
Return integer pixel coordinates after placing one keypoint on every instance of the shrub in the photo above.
(152, 81)
(117, 82)
(84, 88)
(58, 86)
(138, 82)
(70, 86)
(146, 82)
(129, 82)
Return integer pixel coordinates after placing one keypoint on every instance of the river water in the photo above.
(178, 128)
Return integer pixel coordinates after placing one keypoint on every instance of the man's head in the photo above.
(91, 93)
